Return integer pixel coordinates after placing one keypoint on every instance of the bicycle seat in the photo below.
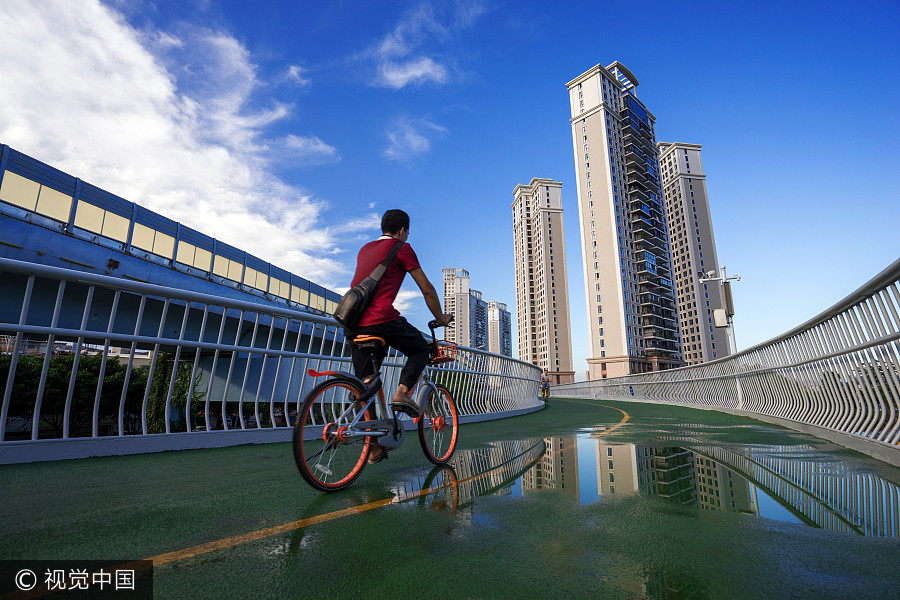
(368, 341)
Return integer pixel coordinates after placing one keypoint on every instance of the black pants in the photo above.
(398, 334)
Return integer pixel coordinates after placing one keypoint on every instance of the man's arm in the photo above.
(431, 297)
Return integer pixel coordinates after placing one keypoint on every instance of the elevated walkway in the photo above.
(580, 494)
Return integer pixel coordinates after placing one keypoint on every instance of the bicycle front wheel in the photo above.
(326, 457)
(439, 426)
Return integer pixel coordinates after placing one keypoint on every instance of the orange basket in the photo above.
(446, 352)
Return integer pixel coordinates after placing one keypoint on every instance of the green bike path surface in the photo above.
(243, 524)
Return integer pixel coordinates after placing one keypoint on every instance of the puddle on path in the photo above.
(797, 484)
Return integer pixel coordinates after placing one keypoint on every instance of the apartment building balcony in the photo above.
(647, 267)
(663, 266)
(649, 301)
(671, 453)
(638, 208)
(634, 179)
(664, 323)
(658, 321)
(653, 245)
(637, 138)
(656, 347)
(649, 282)
(651, 333)
(637, 193)
(649, 309)
(644, 227)
(633, 153)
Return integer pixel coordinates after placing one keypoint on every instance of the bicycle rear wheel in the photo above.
(438, 434)
(327, 459)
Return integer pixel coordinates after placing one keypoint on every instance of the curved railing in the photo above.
(101, 365)
(838, 373)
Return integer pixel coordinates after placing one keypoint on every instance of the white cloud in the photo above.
(411, 31)
(164, 119)
(406, 300)
(311, 150)
(401, 56)
(468, 11)
(399, 75)
(296, 74)
(408, 138)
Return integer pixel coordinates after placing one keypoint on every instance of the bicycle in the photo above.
(337, 422)
(545, 392)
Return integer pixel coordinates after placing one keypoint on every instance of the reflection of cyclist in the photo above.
(383, 320)
(545, 384)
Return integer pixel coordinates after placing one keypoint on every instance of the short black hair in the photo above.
(394, 220)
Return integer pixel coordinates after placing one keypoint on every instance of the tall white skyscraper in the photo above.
(542, 291)
(499, 327)
(693, 251)
(630, 299)
(469, 327)
(478, 324)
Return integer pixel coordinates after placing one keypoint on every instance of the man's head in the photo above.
(393, 221)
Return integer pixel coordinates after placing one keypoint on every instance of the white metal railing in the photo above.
(840, 371)
(91, 356)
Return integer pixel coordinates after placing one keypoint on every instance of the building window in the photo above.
(35, 197)
(107, 224)
(153, 241)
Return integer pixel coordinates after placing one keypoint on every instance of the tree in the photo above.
(26, 382)
(159, 389)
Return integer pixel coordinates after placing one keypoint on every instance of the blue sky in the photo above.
(287, 128)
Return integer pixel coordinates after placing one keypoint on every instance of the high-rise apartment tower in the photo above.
(542, 291)
(693, 251)
(631, 310)
(469, 327)
(499, 328)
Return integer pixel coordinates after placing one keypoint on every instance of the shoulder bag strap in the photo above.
(381, 268)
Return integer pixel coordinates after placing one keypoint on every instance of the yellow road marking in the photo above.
(236, 540)
(229, 542)
(161, 559)
(611, 429)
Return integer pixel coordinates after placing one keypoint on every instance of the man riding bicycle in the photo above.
(545, 384)
(381, 319)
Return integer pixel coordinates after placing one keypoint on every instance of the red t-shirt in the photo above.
(381, 309)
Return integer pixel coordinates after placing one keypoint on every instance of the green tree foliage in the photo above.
(59, 374)
(159, 388)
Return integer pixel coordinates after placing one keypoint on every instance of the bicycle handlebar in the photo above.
(432, 325)
(434, 340)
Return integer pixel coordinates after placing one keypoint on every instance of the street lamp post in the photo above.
(723, 316)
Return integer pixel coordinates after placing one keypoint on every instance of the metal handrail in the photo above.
(839, 372)
(214, 363)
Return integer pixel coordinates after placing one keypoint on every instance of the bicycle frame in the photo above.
(385, 429)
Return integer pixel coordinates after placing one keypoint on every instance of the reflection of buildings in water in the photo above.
(626, 469)
(620, 470)
(557, 469)
(676, 474)
(494, 469)
(721, 488)
(830, 495)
